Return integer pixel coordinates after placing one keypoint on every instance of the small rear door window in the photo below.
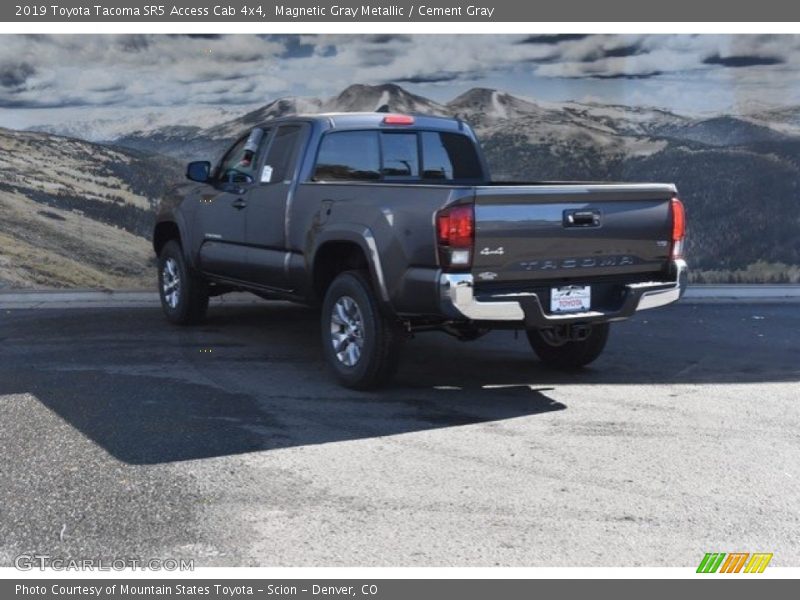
(348, 156)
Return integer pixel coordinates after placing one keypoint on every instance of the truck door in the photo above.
(221, 215)
(268, 206)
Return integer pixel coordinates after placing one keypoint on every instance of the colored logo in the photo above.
(734, 562)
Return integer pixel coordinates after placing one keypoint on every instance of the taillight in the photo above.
(678, 227)
(455, 232)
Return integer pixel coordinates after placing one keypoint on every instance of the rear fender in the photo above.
(364, 238)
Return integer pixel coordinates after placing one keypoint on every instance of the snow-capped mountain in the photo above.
(784, 119)
(483, 105)
(489, 111)
(356, 98)
(627, 120)
(368, 98)
(195, 132)
(107, 125)
(278, 108)
(197, 142)
(485, 109)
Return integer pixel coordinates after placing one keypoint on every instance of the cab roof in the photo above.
(377, 120)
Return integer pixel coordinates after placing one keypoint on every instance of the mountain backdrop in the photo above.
(77, 213)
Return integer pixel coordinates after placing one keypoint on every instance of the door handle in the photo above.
(239, 204)
(581, 218)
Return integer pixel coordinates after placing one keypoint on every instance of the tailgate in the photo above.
(575, 232)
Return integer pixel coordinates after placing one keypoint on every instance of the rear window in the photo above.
(428, 156)
(400, 155)
(448, 156)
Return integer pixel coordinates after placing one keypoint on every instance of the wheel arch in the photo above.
(343, 250)
(163, 232)
(169, 229)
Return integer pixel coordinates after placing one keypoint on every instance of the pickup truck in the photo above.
(392, 225)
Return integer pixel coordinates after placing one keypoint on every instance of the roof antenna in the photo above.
(383, 108)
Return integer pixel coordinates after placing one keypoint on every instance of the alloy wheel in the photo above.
(171, 282)
(347, 331)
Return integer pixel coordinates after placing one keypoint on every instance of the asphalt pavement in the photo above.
(228, 443)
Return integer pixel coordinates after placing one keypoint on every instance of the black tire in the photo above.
(189, 304)
(570, 355)
(377, 341)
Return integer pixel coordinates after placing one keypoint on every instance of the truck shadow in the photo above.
(252, 379)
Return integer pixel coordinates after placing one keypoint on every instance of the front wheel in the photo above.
(183, 293)
(569, 354)
(361, 344)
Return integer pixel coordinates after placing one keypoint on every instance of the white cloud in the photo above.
(139, 71)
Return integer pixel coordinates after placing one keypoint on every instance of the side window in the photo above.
(400, 155)
(348, 155)
(239, 163)
(282, 154)
(449, 156)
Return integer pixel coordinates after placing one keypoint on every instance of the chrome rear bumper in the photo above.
(458, 301)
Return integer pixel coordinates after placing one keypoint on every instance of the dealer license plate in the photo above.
(572, 298)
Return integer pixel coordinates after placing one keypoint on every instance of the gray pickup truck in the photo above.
(391, 224)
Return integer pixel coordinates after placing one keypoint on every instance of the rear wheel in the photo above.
(569, 354)
(361, 344)
(183, 293)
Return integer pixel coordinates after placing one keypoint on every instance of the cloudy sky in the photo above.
(45, 79)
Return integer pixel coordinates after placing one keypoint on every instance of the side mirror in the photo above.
(199, 170)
